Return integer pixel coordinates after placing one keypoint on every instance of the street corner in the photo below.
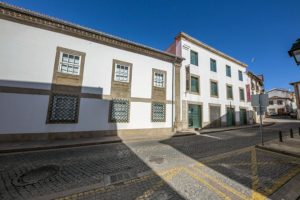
(261, 171)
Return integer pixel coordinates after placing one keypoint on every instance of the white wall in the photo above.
(203, 70)
(27, 60)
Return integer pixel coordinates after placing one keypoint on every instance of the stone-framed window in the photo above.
(242, 94)
(63, 108)
(213, 65)
(69, 63)
(194, 57)
(119, 110)
(279, 102)
(122, 73)
(214, 91)
(158, 112)
(159, 79)
(271, 102)
(229, 92)
(228, 71)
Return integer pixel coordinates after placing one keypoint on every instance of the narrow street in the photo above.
(223, 165)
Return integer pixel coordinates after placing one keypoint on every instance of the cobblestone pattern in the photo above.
(78, 167)
(221, 163)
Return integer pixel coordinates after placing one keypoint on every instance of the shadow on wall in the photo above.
(231, 118)
(43, 111)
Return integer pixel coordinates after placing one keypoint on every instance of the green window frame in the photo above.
(119, 110)
(194, 57)
(214, 89)
(228, 71)
(213, 65)
(240, 75)
(195, 84)
(158, 112)
(229, 92)
(242, 94)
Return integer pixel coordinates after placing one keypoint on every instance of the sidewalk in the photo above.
(215, 130)
(289, 146)
(11, 147)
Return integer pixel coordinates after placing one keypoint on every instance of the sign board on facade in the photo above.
(261, 99)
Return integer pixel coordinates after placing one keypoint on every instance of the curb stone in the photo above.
(41, 148)
(277, 151)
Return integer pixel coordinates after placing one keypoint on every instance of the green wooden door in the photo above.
(230, 118)
(243, 116)
(194, 116)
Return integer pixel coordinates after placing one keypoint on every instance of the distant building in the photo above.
(281, 102)
(297, 96)
(256, 86)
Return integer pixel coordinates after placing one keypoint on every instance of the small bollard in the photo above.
(291, 133)
(280, 136)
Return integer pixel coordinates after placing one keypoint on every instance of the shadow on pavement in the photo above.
(109, 171)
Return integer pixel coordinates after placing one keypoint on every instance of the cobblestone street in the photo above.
(222, 165)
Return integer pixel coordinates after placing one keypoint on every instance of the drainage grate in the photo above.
(36, 175)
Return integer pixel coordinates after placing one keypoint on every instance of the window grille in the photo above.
(63, 108)
(119, 110)
(158, 112)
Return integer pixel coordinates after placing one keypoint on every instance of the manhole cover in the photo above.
(36, 175)
(156, 159)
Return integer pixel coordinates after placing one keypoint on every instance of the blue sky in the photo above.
(264, 30)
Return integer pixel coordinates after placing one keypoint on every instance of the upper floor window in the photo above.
(121, 73)
(271, 102)
(279, 102)
(240, 75)
(229, 92)
(214, 89)
(69, 63)
(228, 71)
(159, 79)
(194, 84)
(242, 94)
(194, 57)
(213, 65)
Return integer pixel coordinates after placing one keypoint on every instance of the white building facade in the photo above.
(59, 80)
(213, 86)
(256, 87)
(281, 102)
(296, 86)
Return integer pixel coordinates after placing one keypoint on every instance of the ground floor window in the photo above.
(63, 108)
(119, 111)
(158, 112)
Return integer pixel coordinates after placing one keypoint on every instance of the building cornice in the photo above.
(293, 83)
(250, 74)
(193, 40)
(24, 16)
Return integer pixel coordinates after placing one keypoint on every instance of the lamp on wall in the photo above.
(295, 51)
